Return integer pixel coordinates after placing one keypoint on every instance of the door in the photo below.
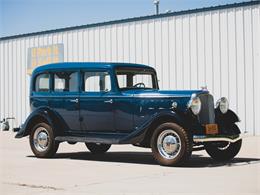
(65, 99)
(96, 102)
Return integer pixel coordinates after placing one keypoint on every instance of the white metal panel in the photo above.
(201, 50)
(256, 66)
(240, 66)
(126, 43)
(151, 40)
(138, 42)
(219, 49)
(102, 44)
(2, 81)
(165, 53)
(132, 42)
(108, 44)
(193, 53)
(179, 53)
(113, 43)
(172, 53)
(224, 53)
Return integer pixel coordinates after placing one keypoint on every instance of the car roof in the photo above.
(87, 65)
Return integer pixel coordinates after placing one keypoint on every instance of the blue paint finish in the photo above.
(96, 113)
(122, 113)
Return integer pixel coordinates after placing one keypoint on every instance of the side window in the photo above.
(42, 83)
(97, 81)
(66, 82)
(122, 78)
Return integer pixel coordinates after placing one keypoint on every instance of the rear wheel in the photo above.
(171, 145)
(42, 141)
(223, 151)
(98, 148)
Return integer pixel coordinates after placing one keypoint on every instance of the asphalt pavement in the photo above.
(124, 169)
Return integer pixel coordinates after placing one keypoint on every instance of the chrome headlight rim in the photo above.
(195, 104)
(223, 105)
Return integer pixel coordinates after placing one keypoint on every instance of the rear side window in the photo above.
(66, 82)
(97, 82)
(42, 83)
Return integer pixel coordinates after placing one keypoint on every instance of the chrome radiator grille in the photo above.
(207, 113)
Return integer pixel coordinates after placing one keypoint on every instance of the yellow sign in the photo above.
(38, 56)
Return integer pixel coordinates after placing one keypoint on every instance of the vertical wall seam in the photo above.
(212, 52)
(161, 53)
(154, 50)
(253, 70)
(175, 47)
(99, 44)
(189, 53)
(141, 32)
(228, 56)
(220, 56)
(197, 57)
(182, 54)
(168, 46)
(244, 67)
(204, 51)
(148, 38)
(235, 18)
(123, 43)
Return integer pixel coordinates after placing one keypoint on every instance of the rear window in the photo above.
(42, 83)
(66, 82)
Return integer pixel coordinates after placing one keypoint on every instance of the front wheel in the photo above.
(171, 144)
(97, 148)
(42, 141)
(223, 151)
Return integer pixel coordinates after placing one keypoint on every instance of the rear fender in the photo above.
(42, 114)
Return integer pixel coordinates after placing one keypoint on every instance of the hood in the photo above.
(164, 93)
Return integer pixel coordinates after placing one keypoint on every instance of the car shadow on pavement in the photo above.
(196, 161)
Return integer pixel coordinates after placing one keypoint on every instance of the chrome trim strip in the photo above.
(205, 138)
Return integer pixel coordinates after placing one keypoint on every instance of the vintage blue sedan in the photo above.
(120, 103)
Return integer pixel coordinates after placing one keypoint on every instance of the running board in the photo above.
(102, 139)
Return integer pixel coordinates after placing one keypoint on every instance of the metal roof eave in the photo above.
(192, 11)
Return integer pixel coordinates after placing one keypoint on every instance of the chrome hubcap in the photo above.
(169, 144)
(41, 139)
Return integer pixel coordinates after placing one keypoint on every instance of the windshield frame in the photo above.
(137, 69)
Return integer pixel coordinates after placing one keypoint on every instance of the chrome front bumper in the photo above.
(217, 138)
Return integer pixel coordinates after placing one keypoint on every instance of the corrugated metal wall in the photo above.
(218, 49)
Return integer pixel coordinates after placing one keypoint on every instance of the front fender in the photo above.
(228, 118)
(139, 134)
(42, 113)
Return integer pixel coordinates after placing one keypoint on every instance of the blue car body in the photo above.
(117, 116)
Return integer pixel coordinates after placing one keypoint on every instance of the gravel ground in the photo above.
(123, 170)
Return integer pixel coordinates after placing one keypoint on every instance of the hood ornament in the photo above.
(204, 88)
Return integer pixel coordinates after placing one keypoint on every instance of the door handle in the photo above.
(109, 101)
(75, 100)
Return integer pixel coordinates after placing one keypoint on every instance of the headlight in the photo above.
(223, 105)
(195, 105)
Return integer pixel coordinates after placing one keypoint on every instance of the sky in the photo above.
(26, 16)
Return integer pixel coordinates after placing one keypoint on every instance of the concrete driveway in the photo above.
(123, 170)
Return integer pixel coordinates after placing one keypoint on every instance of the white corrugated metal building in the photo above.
(217, 47)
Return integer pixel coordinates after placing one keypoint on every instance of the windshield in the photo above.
(136, 78)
